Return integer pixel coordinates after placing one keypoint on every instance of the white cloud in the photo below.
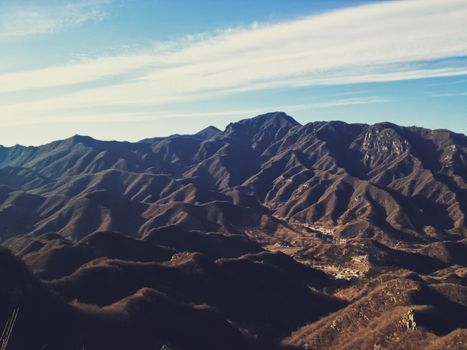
(386, 41)
(34, 18)
(353, 101)
(447, 83)
(104, 117)
(449, 94)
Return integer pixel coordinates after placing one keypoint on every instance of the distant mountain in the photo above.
(398, 183)
(234, 227)
(208, 132)
(204, 134)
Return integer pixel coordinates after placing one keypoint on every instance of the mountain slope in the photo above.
(269, 234)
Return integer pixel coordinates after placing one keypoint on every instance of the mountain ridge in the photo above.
(375, 160)
(217, 230)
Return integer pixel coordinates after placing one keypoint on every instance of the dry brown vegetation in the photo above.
(268, 235)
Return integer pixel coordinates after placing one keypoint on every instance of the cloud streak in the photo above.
(34, 18)
(449, 94)
(386, 41)
(104, 117)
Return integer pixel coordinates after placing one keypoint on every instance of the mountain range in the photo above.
(267, 235)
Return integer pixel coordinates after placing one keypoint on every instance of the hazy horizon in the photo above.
(221, 128)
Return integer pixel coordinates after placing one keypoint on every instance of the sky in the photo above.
(131, 69)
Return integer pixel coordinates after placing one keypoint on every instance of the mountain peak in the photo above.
(276, 117)
(261, 131)
(79, 139)
(208, 132)
(263, 121)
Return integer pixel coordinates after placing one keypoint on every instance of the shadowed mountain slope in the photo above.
(353, 179)
(269, 234)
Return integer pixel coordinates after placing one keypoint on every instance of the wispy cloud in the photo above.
(386, 41)
(104, 117)
(447, 83)
(34, 18)
(448, 94)
(352, 101)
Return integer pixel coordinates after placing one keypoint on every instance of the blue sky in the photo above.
(130, 69)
